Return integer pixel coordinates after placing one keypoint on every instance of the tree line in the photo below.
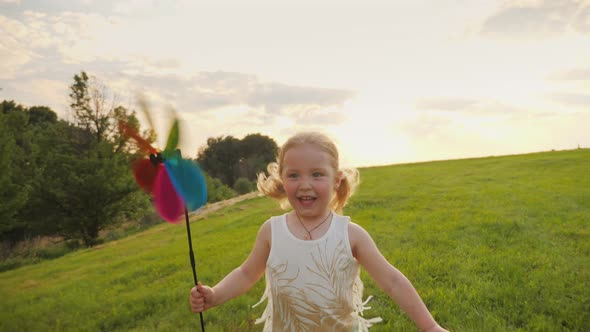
(72, 179)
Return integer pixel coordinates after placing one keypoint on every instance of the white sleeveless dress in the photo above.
(313, 285)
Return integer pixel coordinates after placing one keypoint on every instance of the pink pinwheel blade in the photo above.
(168, 203)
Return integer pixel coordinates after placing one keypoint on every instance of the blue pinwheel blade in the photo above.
(188, 180)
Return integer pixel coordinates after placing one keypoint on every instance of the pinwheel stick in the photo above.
(173, 182)
(192, 256)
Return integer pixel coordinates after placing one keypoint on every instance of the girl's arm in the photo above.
(390, 279)
(239, 280)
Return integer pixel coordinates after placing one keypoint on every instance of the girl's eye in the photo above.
(316, 174)
(292, 176)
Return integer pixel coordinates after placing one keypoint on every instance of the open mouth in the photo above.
(306, 200)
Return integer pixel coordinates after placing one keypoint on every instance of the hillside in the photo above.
(491, 244)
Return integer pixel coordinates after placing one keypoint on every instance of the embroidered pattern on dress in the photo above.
(324, 304)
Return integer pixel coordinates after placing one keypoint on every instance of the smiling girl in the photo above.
(311, 256)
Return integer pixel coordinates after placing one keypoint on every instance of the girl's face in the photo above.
(309, 180)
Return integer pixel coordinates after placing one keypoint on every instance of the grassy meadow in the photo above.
(491, 244)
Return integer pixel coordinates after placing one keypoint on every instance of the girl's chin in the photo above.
(309, 209)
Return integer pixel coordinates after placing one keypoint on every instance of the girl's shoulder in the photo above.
(273, 220)
(356, 236)
(355, 230)
(265, 231)
(352, 226)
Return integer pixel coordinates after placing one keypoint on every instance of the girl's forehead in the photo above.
(307, 155)
(306, 149)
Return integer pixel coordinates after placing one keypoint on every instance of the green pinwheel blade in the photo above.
(172, 142)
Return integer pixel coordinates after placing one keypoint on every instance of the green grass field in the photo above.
(491, 244)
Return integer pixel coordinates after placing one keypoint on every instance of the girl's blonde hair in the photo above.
(272, 185)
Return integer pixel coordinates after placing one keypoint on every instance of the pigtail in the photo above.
(271, 185)
(349, 181)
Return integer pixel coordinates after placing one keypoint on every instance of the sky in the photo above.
(390, 81)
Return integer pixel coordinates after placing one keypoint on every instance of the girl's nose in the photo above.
(305, 183)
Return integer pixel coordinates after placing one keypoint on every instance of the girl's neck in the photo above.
(312, 220)
(311, 229)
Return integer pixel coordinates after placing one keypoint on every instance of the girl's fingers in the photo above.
(198, 298)
(197, 305)
(205, 291)
(195, 293)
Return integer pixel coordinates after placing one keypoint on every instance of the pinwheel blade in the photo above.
(189, 181)
(145, 174)
(172, 142)
(167, 201)
(146, 111)
(130, 132)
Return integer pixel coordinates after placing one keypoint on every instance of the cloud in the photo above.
(538, 19)
(466, 105)
(426, 125)
(445, 104)
(207, 91)
(279, 95)
(142, 7)
(318, 117)
(34, 36)
(570, 99)
(58, 6)
(577, 74)
(47, 92)
(40, 46)
(13, 52)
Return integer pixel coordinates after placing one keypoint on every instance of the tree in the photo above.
(96, 110)
(18, 169)
(257, 151)
(96, 113)
(89, 103)
(88, 186)
(12, 196)
(221, 158)
(41, 115)
(228, 158)
(9, 106)
(60, 179)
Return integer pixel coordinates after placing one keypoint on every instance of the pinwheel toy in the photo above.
(176, 185)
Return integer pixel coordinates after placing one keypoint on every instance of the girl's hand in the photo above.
(201, 298)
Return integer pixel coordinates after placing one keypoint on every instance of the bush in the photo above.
(53, 252)
(32, 251)
(243, 186)
(216, 190)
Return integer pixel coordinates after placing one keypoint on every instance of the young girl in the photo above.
(311, 255)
